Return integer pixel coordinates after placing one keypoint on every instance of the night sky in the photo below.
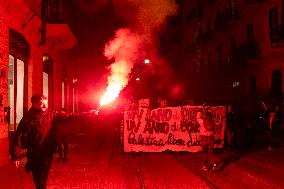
(95, 23)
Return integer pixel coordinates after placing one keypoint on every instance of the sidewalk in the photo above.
(97, 163)
(4, 151)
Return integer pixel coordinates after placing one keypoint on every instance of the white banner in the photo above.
(170, 128)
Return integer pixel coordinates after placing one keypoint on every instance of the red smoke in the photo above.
(145, 19)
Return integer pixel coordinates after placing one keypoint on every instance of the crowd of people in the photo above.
(42, 132)
(261, 128)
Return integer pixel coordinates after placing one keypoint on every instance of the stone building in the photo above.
(230, 51)
(32, 35)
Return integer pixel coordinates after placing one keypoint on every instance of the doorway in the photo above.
(19, 53)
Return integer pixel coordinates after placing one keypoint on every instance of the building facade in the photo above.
(230, 51)
(32, 35)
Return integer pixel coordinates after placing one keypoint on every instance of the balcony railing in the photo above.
(54, 12)
(277, 36)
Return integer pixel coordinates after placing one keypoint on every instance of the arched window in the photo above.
(19, 54)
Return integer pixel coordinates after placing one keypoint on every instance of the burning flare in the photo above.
(123, 48)
(116, 82)
(111, 93)
(129, 43)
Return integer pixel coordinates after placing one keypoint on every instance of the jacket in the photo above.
(36, 133)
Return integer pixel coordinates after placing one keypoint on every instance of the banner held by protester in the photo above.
(169, 128)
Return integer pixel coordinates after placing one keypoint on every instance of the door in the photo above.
(19, 53)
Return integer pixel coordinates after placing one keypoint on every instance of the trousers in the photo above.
(40, 166)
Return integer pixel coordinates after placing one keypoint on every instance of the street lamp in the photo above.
(75, 80)
(146, 61)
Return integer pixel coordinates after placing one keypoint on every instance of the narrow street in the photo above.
(97, 161)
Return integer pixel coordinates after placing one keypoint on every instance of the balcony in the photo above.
(55, 33)
(59, 36)
(277, 37)
(54, 10)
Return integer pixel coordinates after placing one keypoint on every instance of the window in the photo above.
(233, 55)
(236, 84)
(75, 95)
(208, 26)
(19, 52)
(232, 8)
(273, 25)
(74, 99)
(63, 94)
(55, 11)
(47, 84)
(276, 83)
(250, 34)
(16, 77)
(199, 8)
(252, 48)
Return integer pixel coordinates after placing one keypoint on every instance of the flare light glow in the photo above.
(116, 82)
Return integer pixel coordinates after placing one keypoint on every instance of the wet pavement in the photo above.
(97, 161)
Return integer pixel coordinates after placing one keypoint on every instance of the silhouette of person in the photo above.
(62, 135)
(37, 134)
(206, 123)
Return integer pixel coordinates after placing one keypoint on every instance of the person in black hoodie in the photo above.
(62, 125)
(36, 133)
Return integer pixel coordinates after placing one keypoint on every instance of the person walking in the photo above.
(230, 130)
(206, 123)
(37, 134)
(274, 127)
(62, 125)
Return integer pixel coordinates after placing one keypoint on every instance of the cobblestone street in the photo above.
(96, 161)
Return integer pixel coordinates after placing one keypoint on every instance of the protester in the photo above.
(274, 128)
(230, 131)
(36, 133)
(206, 123)
(62, 124)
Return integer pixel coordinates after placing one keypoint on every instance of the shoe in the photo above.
(205, 168)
